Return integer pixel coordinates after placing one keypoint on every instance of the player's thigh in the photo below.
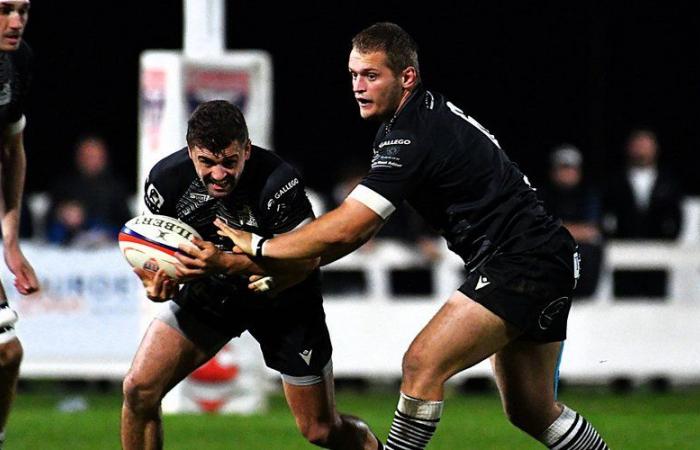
(164, 358)
(312, 404)
(525, 373)
(461, 334)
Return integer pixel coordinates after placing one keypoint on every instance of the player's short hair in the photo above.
(214, 125)
(400, 48)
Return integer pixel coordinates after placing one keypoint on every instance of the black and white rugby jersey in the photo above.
(15, 77)
(454, 173)
(269, 199)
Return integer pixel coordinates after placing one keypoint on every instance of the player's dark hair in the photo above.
(214, 125)
(400, 48)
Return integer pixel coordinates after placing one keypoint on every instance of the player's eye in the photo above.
(371, 76)
(229, 163)
(6, 10)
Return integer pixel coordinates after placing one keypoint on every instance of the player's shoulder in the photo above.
(172, 172)
(175, 163)
(267, 165)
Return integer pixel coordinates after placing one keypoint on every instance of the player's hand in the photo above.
(241, 239)
(26, 281)
(261, 283)
(198, 259)
(159, 286)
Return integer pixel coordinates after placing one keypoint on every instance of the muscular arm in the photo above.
(14, 165)
(329, 237)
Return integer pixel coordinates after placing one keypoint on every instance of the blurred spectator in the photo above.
(578, 205)
(644, 201)
(89, 206)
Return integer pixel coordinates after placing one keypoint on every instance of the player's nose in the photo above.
(218, 173)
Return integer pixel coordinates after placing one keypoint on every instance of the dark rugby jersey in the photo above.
(454, 173)
(15, 77)
(269, 199)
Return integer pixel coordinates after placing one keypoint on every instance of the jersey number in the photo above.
(472, 121)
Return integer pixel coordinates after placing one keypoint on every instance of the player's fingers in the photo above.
(188, 249)
(253, 278)
(262, 285)
(189, 262)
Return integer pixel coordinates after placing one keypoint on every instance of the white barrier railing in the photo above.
(87, 321)
(607, 338)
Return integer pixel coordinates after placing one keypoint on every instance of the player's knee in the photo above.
(315, 431)
(11, 354)
(417, 367)
(140, 396)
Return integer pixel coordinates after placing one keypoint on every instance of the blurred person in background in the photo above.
(88, 206)
(578, 205)
(15, 74)
(643, 200)
(521, 263)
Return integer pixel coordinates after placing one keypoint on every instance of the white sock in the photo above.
(572, 432)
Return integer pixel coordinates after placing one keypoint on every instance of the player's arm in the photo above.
(13, 164)
(329, 237)
(203, 258)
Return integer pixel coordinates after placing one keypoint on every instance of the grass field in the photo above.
(639, 420)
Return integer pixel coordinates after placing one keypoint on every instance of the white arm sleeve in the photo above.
(373, 201)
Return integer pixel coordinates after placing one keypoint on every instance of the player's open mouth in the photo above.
(363, 102)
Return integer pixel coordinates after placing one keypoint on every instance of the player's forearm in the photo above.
(329, 237)
(12, 173)
(240, 263)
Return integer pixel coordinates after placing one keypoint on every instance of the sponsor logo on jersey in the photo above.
(153, 198)
(5, 94)
(286, 188)
(395, 142)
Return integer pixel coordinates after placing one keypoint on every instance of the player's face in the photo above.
(13, 19)
(220, 172)
(378, 91)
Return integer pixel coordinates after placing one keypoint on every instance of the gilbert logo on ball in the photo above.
(150, 241)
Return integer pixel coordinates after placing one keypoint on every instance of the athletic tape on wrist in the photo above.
(256, 244)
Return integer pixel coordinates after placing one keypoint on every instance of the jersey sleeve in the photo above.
(395, 173)
(283, 201)
(155, 194)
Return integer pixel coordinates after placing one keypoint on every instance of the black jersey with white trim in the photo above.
(454, 173)
(269, 199)
(15, 77)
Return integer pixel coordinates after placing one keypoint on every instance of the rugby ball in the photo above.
(150, 241)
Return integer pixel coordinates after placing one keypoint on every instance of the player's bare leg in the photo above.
(525, 374)
(163, 359)
(318, 420)
(460, 335)
(10, 359)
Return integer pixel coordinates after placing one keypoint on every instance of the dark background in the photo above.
(534, 74)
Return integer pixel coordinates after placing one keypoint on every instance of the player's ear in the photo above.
(409, 77)
(248, 146)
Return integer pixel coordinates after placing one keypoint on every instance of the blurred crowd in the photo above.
(642, 201)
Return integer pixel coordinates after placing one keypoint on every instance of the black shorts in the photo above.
(531, 290)
(291, 331)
